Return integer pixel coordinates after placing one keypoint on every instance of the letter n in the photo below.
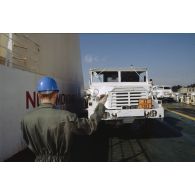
(30, 99)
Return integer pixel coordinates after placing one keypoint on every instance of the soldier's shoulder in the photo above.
(67, 115)
(30, 113)
(27, 116)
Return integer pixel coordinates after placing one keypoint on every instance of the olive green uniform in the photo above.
(48, 131)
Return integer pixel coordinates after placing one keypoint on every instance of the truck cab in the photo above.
(129, 91)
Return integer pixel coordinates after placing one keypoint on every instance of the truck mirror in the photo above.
(151, 82)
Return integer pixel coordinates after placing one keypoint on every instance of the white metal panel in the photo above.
(60, 58)
(13, 84)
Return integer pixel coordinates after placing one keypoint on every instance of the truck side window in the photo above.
(97, 77)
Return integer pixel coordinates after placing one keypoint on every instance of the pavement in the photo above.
(170, 140)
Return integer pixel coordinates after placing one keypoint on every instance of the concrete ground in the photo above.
(171, 140)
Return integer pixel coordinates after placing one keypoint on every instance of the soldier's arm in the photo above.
(88, 126)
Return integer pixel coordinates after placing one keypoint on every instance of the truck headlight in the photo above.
(95, 92)
(153, 113)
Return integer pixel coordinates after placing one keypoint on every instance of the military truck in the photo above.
(163, 92)
(130, 94)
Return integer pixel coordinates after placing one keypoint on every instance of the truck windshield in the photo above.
(129, 76)
(105, 76)
(113, 76)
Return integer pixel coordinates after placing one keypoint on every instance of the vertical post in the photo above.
(8, 60)
(146, 76)
(91, 77)
(119, 76)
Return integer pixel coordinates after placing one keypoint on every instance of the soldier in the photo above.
(48, 131)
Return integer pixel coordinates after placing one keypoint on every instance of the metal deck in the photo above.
(171, 140)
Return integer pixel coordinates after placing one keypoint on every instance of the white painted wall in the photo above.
(60, 55)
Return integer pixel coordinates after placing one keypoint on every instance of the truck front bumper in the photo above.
(134, 114)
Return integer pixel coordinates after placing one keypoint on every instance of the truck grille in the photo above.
(126, 100)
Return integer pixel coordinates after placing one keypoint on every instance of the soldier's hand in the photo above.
(103, 99)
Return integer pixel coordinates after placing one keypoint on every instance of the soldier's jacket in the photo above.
(48, 131)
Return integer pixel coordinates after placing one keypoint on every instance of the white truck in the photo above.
(129, 91)
(163, 92)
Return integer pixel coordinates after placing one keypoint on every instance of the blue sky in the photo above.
(170, 58)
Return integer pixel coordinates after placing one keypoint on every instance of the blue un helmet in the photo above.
(47, 85)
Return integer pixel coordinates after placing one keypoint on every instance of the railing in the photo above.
(18, 50)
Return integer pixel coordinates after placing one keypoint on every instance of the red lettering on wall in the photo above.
(30, 99)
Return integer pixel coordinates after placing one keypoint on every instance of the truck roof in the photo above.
(131, 68)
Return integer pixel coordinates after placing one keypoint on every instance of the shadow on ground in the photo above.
(96, 147)
(23, 156)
